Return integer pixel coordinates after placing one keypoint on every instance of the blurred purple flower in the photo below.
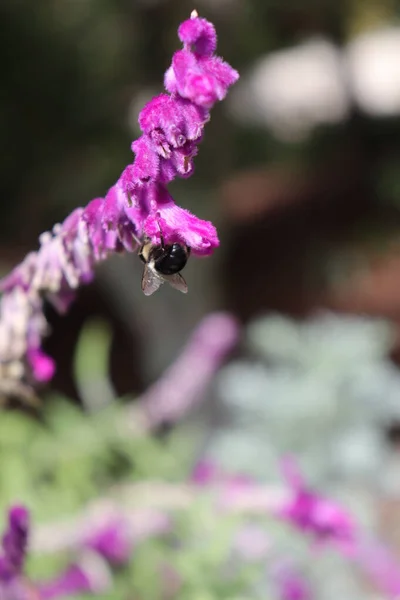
(42, 366)
(207, 472)
(137, 206)
(291, 584)
(14, 544)
(112, 542)
(233, 490)
(13, 585)
(72, 581)
(311, 513)
(382, 568)
(184, 383)
(90, 575)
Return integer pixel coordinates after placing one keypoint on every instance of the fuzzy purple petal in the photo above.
(21, 276)
(180, 163)
(179, 225)
(70, 225)
(97, 237)
(116, 222)
(174, 119)
(222, 71)
(199, 34)
(147, 161)
(202, 80)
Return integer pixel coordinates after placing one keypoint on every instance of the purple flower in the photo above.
(14, 544)
(205, 473)
(42, 366)
(233, 490)
(90, 575)
(72, 581)
(311, 513)
(382, 568)
(179, 225)
(172, 122)
(199, 35)
(195, 73)
(294, 587)
(137, 206)
(13, 584)
(290, 582)
(188, 377)
(111, 541)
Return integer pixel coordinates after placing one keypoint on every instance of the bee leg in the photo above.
(137, 240)
(161, 235)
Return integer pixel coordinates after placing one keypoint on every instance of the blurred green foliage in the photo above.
(57, 463)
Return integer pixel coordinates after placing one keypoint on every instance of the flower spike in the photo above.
(135, 207)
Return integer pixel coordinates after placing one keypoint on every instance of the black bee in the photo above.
(163, 263)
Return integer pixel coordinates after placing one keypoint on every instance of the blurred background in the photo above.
(299, 170)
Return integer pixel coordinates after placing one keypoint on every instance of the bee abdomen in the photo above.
(173, 261)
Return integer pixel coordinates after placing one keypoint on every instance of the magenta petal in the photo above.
(147, 161)
(205, 472)
(112, 542)
(71, 582)
(180, 163)
(120, 220)
(200, 34)
(174, 120)
(312, 513)
(291, 583)
(202, 80)
(113, 211)
(183, 62)
(180, 225)
(18, 517)
(223, 73)
(91, 213)
(14, 544)
(21, 276)
(92, 216)
(42, 365)
(202, 88)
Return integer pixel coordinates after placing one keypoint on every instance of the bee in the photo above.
(163, 263)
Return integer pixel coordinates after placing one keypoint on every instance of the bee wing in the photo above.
(177, 282)
(150, 281)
